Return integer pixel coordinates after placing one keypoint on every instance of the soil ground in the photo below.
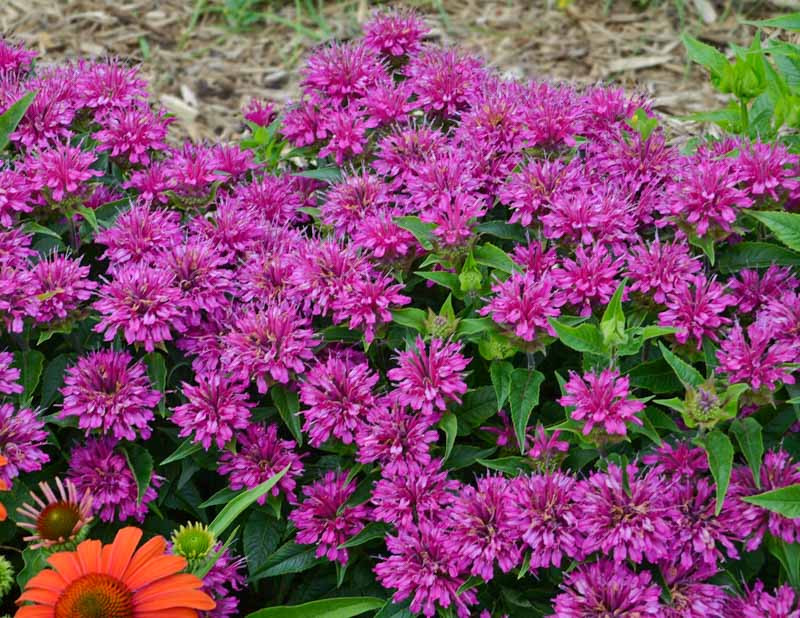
(206, 58)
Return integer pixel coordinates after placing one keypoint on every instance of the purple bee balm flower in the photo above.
(759, 362)
(657, 269)
(552, 115)
(268, 343)
(108, 85)
(524, 302)
(394, 438)
(134, 133)
(395, 33)
(767, 169)
(589, 279)
(260, 455)
(96, 467)
(783, 315)
(535, 257)
(61, 285)
(366, 305)
(274, 198)
(690, 597)
(201, 276)
(342, 72)
(408, 494)
(758, 603)
(108, 393)
(259, 112)
(602, 399)
(230, 228)
(22, 436)
(387, 103)
(426, 376)
(323, 519)
(339, 394)
(751, 522)
(139, 234)
(400, 154)
(695, 309)
(15, 248)
(152, 183)
(607, 588)
(143, 303)
(303, 124)
(753, 290)
(454, 217)
(15, 193)
(351, 200)
(437, 181)
(706, 195)
(443, 80)
(543, 510)
(222, 581)
(9, 375)
(347, 129)
(232, 161)
(547, 450)
(626, 525)
(193, 170)
(698, 532)
(680, 461)
(50, 114)
(217, 407)
(423, 565)
(15, 58)
(482, 528)
(532, 190)
(17, 295)
(382, 237)
(64, 171)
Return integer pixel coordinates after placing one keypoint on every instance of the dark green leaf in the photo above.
(288, 407)
(410, 317)
(474, 326)
(30, 365)
(785, 226)
(443, 278)
(524, 396)
(374, 530)
(11, 117)
(788, 554)
(748, 434)
(685, 372)
(477, 406)
(502, 229)
(784, 501)
(261, 537)
(223, 496)
(53, 379)
(509, 465)
(494, 257)
(157, 370)
(289, 558)
(341, 607)
(719, 450)
(500, 372)
(423, 232)
(449, 424)
(325, 174)
(141, 464)
(582, 338)
(31, 227)
(186, 449)
(655, 376)
(34, 560)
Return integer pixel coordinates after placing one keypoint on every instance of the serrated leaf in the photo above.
(493, 257)
(340, 607)
(449, 424)
(581, 338)
(186, 449)
(524, 396)
(785, 226)
(685, 372)
(243, 500)
(260, 538)
(288, 558)
(423, 232)
(325, 174)
(500, 372)
(443, 278)
(705, 55)
(288, 407)
(30, 363)
(372, 531)
(410, 317)
(10, 118)
(612, 324)
(747, 432)
(509, 465)
(157, 371)
(719, 451)
(476, 407)
(755, 255)
(784, 501)
(140, 461)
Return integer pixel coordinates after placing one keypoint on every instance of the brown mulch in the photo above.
(203, 64)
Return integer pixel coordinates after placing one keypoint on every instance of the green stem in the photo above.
(745, 117)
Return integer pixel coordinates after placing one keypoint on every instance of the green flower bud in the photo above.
(193, 541)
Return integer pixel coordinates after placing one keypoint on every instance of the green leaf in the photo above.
(223, 496)
(524, 397)
(341, 607)
(140, 461)
(325, 174)
(31, 227)
(685, 372)
(494, 257)
(784, 501)
(509, 465)
(423, 232)
(186, 449)
(34, 560)
(748, 434)
(502, 229)
(790, 21)
(612, 324)
(581, 338)
(410, 317)
(473, 581)
(288, 407)
(646, 429)
(500, 372)
(719, 450)
(289, 558)
(443, 278)
(475, 326)
(785, 226)
(372, 531)
(449, 424)
(656, 376)
(705, 244)
(89, 215)
(11, 117)
(395, 610)
(157, 371)
(705, 55)
(788, 554)
(30, 365)
(53, 379)
(243, 500)
(261, 537)
(476, 407)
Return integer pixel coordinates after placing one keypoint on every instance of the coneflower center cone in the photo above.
(96, 595)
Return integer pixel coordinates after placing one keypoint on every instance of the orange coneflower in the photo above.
(58, 519)
(3, 487)
(115, 581)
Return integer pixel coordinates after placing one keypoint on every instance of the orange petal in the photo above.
(178, 612)
(47, 579)
(117, 557)
(39, 595)
(153, 548)
(89, 556)
(67, 564)
(38, 611)
(155, 569)
(195, 599)
(3, 512)
(167, 586)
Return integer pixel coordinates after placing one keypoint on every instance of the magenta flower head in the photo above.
(342, 72)
(542, 509)
(657, 269)
(751, 522)
(602, 399)
(394, 437)
(690, 596)
(761, 361)
(62, 284)
(9, 376)
(261, 454)
(133, 133)
(274, 198)
(106, 392)
(259, 112)
(524, 302)
(552, 115)
(143, 303)
(201, 276)
(17, 295)
(768, 170)
(532, 190)
(325, 520)
(483, 531)
(678, 461)
(15, 58)
(63, 171)
(695, 309)
(366, 305)
(139, 234)
(96, 467)
(350, 201)
(266, 344)
(347, 129)
(222, 581)
(339, 394)
(217, 407)
(607, 588)
(428, 375)
(395, 33)
(22, 437)
(108, 85)
(590, 279)
(753, 290)
(46, 122)
(422, 565)
(760, 603)
(443, 80)
(15, 190)
(626, 526)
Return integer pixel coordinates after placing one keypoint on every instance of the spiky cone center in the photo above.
(96, 595)
(6, 576)
(193, 541)
(57, 521)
